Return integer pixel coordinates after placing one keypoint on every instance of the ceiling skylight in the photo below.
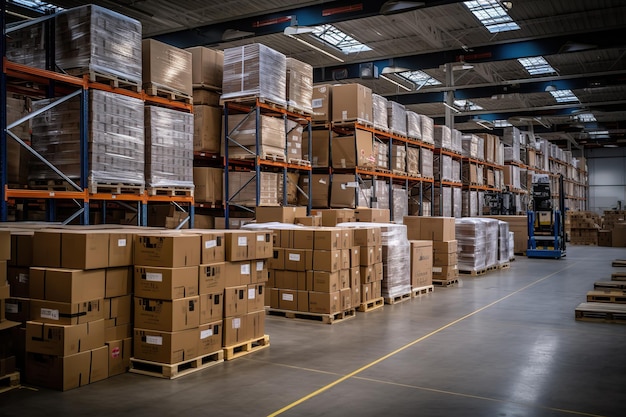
(492, 15)
(335, 37)
(420, 78)
(563, 96)
(39, 5)
(467, 105)
(536, 65)
(586, 117)
(501, 123)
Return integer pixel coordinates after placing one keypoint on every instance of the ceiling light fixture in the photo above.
(317, 48)
(396, 83)
(451, 108)
(295, 29)
(550, 88)
(393, 6)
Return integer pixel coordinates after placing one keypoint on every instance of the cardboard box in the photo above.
(206, 180)
(210, 338)
(119, 352)
(605, 238)
(84, 249)
(166, 315)
(367, 236)
(327, 260)
(16, 309)
(445, 259)
(166, 67)
(288, 300)
(413, 229)
(344, 279)
(342, 193)
(277, 261)
(260, 272)
(235, 301)
(377, 289)
(256, 297)
(327, 239)
(21, 247)
(324, 302)
(421, 263)
(279, 214)
(310, 221)
(66, 285)
(212, 244)
(320, 147)
(438, 228)
(167, 250)
(240, 245)
(60, 340)
(366, 293)
(256, 324)
(445, 272)
(274, 295)
(619, 235)
(212, 278)
(346, 255)
(320, 190)
(345, 295)
(56, 372)
(166, 283)
(120, 248)
(303, 238)
(325, 281)
(118, 308)
(211, 307)
(298, 259)
(290, 280)
(353, 151)
(322, 101)
(332, 217)
(117, 332)
(202, 97)
(165, 347)
(207, 67)
(235, 330)
(47, 248)
(378, 271)
(352, 102)
(18, 280)
(5, 245)
(372, 215)
(7, 365)
(264, 245)
(448, 246)
(238, 273)
(118, 281)
(367, 273)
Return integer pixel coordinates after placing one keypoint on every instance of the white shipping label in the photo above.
(236, 323)
(242, 241)
(210, 244)
(344, 114)
(317, 103)
(260, 238)
(11, 308)
(352, 184)
(154, 340)
(121, 243)
(48, 313)
(288, 297)
(260, 265)
(245, 269)
(206, 333)
(295, 257)
(322, 181)
(251, 293)
(23, 278)
(437, 269)
(154, 276)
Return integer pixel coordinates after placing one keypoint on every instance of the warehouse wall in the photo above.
(607, 178)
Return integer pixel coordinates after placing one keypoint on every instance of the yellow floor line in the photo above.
(408, 345)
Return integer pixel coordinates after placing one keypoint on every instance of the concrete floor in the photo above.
(504, 344)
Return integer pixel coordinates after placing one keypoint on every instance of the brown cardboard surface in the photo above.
(118, 281)
(240, 245)
(277, 261)
(279, 214)
(212, 278)
(120, 248)
(66, 285)
(55, 372)
(326, 281)
(350, 102)
(167, 249)
(211, 307)
(238, 273)
(320, 190)
(264, 244)
(324, 302)
(66, 313)
(353, 151)
(366, 292)
(298, 259)
(371, 215)
(99, 364)
(445, 272)
(260, 272)
(288, 300)
(119, 352)
(18, 280)
(256, 297)
(209, 338)
(235, 330)
(367, 236)
(165, 347)
(5, 245)
(59, 340)
(322, 101)
(119, 308)
(166, 66)
(303, 238)
(235, 301)
(207, 180)
(117, 332)
(165, 315)
(166, 283)
(47, 248)
(342, 193)
(448, 246)
(256, 324)
(207, 66)
(438, 228)
(212, 244)
(413, 229)
(421, 263)
(16, 309)
(21, 248)
(346, 298)
(445, 259)
(327, 260)
(84, 249)
(320, 146)
(327, 239)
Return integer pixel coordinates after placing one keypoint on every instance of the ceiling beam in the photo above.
(270, 23)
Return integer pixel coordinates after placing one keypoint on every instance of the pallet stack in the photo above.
(606, 303)
(9, 378)
(583, 227)
(478, 240)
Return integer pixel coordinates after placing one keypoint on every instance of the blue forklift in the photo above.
(546, 226)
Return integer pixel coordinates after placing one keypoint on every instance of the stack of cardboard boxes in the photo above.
(441, 231)
(584, 227)
(7, 347)
(421, 265)
(369, 241)
(614, 229)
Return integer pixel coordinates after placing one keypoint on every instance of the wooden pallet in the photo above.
(476, 273)
(371, 305)
(324, 318)
(268, 156)
(160, 91)
(300, 111)
(108, 79)
(610, 285)
(9, 382)
(606, 296)
(173, 371)
(505, 265)
(601, 312)
(618, 276)
(418, 292)
(170, 191)
(51, 185)
(246, 348)
(300, 162)
(252, 100)
(399, 173)
(445, 282)
(619, 262)
(115, 188)
(351, 123)
(398, 298)
(202, 86)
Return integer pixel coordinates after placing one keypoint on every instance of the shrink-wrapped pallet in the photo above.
(400, 202)
(443, 168)
(242, 188)
(470, 146)
(373, 194)
(456, 170)
(413, 125)
(299, 85)
(443, 201)
(398, 158)
(254, 71)
(413, 161)
(397, 118)
(427, 163)
(243, 132)
(471, 235)
(457, 141)
(457, 202)
(169, 148)
(428, 128)
(380, 115)
(443, 137)
(503, 243)
(166, 67)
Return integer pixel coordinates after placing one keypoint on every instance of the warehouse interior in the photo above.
(310, 208)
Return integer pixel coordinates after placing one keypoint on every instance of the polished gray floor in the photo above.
(504, 344)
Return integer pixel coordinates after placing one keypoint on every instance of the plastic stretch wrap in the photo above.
(397, 118)
(400, 203)
(480, 154)
(470, 203)
(503, 242)
(242, 188)
(396, 257)
(512, 154)
(480, 175)
(299, 85)
(498, 179)
(166, 67)
(512, 136)
(398, 158)
(481, 202)
(17, 157)
(456, 170)
(427, 163)
(471, 235)
(457, 202)
(381, 118)
(443, 137)
(512, 176)
(294, 141)
(457, 141)
(491, 226)
(443, 167)
(443, 201)
(413, 160)
(169, 148)
(470, 146)
(116, 139)
(511, 245)
(500, 154)
(255, 70)
(88, 38)
(374, 199)
(382, 154)
(413, 125)
(428, 129)
(243, 131)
